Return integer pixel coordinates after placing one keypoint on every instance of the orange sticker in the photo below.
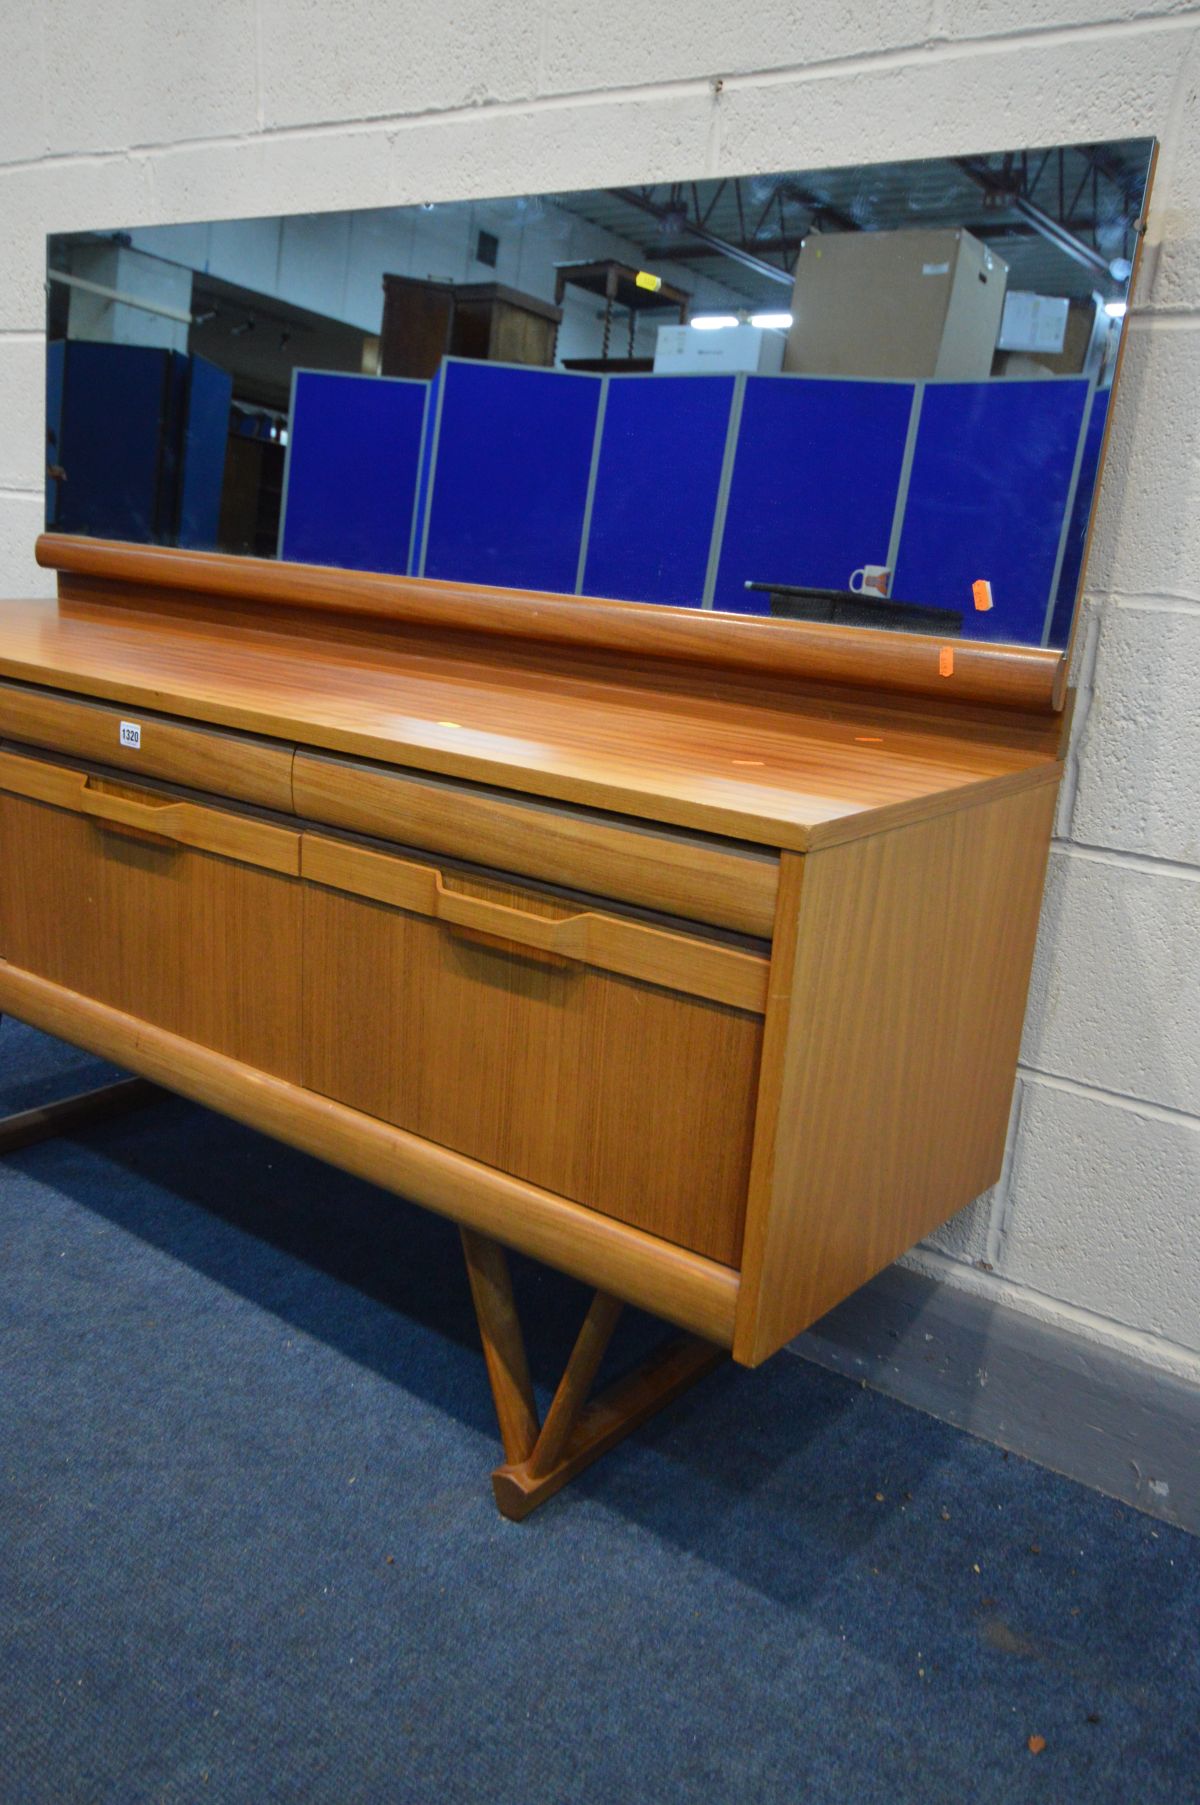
(946, 662)
(981, 589)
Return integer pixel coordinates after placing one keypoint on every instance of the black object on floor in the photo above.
(248, 1549)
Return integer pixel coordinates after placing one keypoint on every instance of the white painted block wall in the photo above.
(147, 114)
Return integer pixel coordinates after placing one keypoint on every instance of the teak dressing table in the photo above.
(686, 953)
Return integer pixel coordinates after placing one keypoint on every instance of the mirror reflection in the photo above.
(874, 396)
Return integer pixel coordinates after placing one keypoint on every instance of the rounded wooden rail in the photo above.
(1026, 679)
(685, 1288)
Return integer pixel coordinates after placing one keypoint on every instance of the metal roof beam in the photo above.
(1050, 229)
(733, 251)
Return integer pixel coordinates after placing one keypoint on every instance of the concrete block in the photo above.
(135, 73)
(23, 438)
(1115, 998)
(1139, 748)
(590, 144)
(21, 519)
(965, 1236)
(1083, 662)
(983, 18)
(1101, 1211)
(1171, 259)
(246, 179)
(321, 63)
(681, 41)
(1147, 536)
(23, 264)
(23, 86)
(73, 195)
(1003, 93)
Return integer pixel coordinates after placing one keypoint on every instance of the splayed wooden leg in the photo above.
(540, 1461)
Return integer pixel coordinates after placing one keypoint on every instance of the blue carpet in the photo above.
(248, 1550)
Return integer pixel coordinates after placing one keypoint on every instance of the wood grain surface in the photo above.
(227, 764)
(204, 947)
(908, 664)
(892, 1033)
(633, 1100)
(679, 1286)
(692, 875)
(646, 1105)
(532, 923)
(503, 1344)
(798, 777)
(152, 814)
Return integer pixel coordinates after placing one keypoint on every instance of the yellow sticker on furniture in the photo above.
(644, 279)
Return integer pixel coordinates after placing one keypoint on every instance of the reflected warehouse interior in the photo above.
(874, 395)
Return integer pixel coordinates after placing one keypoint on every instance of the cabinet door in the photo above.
(183, 915)
(530, 1034)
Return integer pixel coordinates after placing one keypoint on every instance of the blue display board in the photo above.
(662, 445)
(354, 443)
(1081, 508)
(115, 442)
(814, 487)
(988, 498)
(512, 461)
(205, 438)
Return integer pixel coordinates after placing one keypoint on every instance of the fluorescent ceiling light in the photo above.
(1115, 309)
(779, 320)
(711, 322)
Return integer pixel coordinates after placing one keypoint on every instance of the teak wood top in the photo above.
(909, 664)
(662, 735)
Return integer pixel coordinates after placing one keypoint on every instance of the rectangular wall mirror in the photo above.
(876, 396)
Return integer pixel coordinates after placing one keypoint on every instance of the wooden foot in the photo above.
(539, 1461)
(49, 1119)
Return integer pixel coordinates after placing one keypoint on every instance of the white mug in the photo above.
(871, 576)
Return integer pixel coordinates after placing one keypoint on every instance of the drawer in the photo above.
(606, 1060)
(697, 876)
(187, 916)
(208, 758)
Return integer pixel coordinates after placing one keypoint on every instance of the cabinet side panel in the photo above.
(913, 951)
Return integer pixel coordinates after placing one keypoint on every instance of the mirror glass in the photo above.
(874, 395)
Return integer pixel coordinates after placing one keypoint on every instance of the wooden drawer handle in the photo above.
(157, 817)
(650, 954)
(162, 820)
(564, 934)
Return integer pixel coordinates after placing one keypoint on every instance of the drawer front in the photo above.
(449, 1013)
(120, 895)
(692, 875)
(535, 925)
(150, 745)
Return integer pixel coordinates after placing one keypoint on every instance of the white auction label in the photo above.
(131, 734)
